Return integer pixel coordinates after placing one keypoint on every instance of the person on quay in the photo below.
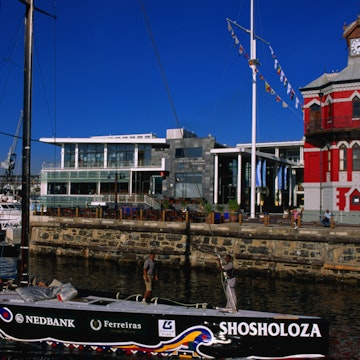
(230, 283)
(296, 215)
(326, 218)
(150, 274)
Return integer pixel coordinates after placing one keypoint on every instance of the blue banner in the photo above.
(280, 178)
(264, 173)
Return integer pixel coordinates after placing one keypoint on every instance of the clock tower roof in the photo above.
(352, 31)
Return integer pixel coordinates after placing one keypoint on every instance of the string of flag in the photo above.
(277, 66)
(284, 79)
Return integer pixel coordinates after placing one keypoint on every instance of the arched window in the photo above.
(356, 107)
(343, 157)
(315, 112)
(329, 160)
(356, 157)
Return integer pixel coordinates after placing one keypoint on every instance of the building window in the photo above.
(315, 112)
(91, 155)
(356, 157)
(56, 188)
(69, 155)
(120, 155)
(355, 200)
(329, 160)
(188, 152)
(188, 185)
(356, 107)
(144, 155)
(343, 158)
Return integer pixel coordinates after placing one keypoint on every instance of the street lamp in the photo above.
(116, 192)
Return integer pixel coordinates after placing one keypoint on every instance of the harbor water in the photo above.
(339, 303)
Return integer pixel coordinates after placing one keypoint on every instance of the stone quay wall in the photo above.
(308, 251)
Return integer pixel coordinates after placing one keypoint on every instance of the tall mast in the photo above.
(26, 139)
(253, 131)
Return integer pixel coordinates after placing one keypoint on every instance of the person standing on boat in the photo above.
(230, 282)
(149, 274)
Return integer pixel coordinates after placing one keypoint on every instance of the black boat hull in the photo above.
(157, 329)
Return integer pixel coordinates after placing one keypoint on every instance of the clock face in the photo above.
(355, 46)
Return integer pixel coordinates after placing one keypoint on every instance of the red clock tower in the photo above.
(332, 138)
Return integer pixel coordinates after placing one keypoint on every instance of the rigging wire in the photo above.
(161, 67)
(167, 88)
(147, 22)
(14, 44)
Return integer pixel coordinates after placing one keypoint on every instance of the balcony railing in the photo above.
(120, 165)
(331, 124)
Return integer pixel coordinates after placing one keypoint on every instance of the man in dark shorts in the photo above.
(149, 274)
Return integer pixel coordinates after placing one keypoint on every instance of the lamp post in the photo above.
(321, 160)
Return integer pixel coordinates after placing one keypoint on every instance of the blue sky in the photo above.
(96, 71)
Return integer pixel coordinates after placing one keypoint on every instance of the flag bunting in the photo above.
(278, 68)
(284, 79)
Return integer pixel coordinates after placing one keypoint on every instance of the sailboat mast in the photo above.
(254, 105)
(26, 140)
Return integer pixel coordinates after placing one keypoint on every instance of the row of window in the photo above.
(315, 110)
(118, 155)
(343, 158)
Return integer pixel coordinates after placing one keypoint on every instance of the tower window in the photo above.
(315, 112)
(356, 107)
(343, 158)
(356, 157)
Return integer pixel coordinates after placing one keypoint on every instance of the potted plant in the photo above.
(207, 210)
(166, 204)
(233, 207)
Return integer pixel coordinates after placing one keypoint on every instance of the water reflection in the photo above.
(340, 304)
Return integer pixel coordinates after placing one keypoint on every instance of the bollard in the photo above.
(240, 219)
(266, 220)
(332, 223)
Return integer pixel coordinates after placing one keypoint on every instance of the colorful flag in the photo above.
(258, 173)
(292, 94)
(264, 173)
(282, 74)
(276, 64)
(280, 177)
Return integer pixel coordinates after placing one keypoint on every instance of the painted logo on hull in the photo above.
(190, 339)
(270, 329)
(5, 314)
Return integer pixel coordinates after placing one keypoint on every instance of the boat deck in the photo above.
(130, 306)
